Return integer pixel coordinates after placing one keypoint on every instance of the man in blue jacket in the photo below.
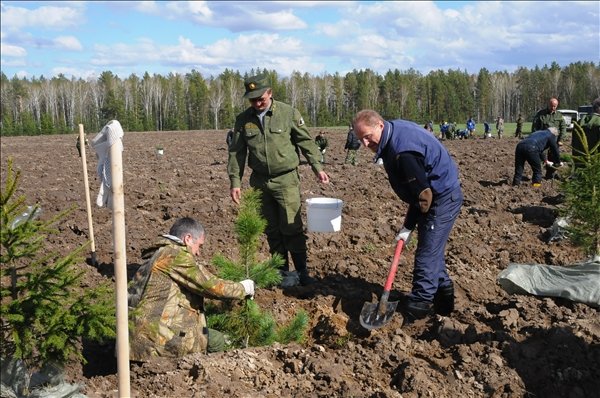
(531, 150)
(471, 127)
(422, 174)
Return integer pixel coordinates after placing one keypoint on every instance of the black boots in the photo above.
(443, 304)
(299, 260)
(443, 301)
(414, 310)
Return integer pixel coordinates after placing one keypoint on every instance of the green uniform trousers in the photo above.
(281, 206)
(351, 157)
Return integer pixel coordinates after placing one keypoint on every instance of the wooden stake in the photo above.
(87, 194)
(118, 204)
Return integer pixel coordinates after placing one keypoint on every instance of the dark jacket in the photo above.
(352, 141)
(441, 172)
(540, 141)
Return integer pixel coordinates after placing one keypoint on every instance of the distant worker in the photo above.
(519, 130)
(470, 127)
(531, 150)
(550, 117)
(351, 147)
(486, 130)
(500, 126)
(428, 126)
(322, 143)
(451, 132)
(444, 130)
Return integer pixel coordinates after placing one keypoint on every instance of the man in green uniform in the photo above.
(352, 145)
(550, 117)
(166, 297)
(590, 124)
(519, 131)
(268, 134)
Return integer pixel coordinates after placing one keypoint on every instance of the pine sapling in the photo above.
(245, 324)
(44, 310)
(582, 196)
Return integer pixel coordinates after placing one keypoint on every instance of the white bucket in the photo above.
(324, 214)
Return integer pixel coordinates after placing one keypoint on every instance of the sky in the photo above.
(82, 39)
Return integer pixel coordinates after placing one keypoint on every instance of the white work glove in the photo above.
(323, 151)
(554, 165)
(248, 287)
(404, 235)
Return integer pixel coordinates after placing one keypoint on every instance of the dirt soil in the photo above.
(493, 345)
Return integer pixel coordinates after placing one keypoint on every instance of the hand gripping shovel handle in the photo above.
(391, 274)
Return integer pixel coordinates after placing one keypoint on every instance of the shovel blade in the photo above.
(375, 315)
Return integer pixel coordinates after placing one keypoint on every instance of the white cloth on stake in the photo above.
(110, 135)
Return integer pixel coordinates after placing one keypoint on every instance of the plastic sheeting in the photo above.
(580, 282)
(47, 383)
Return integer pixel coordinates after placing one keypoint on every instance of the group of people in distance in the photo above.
(168, 290)
(352, 145)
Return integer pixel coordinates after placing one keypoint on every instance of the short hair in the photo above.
(596, 105)
(368, 117)
(187, 225)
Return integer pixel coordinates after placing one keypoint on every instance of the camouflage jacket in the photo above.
(271, 146)
(166, 300)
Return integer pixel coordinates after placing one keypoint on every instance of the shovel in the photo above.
(375, 315)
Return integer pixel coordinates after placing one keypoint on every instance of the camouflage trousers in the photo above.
(351, 157)
(322, 155)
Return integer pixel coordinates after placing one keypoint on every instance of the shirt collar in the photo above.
(385, 137)
(173, 238)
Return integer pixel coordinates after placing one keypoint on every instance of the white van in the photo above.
(570, 116)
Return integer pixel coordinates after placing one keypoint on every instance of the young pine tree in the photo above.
(582, 197)
(246, 324)
(44, 311)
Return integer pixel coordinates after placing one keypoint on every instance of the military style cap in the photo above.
(256, 86)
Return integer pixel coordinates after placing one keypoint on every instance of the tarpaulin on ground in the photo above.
(580, 282)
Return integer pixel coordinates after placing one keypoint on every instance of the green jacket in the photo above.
(544, 119)
(271, 150)
(166, 300)
(591, 127)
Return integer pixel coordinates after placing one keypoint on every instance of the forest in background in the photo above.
(193, 102)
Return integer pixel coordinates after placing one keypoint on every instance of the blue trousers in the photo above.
(429, 271)
(525, 152)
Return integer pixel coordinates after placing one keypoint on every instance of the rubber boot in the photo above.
(443, 301)
(300, 264)
(286, 264)
(414, 310)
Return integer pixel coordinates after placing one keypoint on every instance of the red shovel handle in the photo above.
(392, 274)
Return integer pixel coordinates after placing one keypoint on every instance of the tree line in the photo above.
(193, 102)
